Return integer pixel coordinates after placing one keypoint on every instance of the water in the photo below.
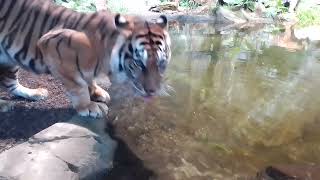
(242, 100)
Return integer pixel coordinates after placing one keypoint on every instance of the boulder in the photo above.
(288, 172)
(226, 16)
(64, 151)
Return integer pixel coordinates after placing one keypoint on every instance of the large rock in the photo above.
(288, 172)
(226, 16)
(64, 151)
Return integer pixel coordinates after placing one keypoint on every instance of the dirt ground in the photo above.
(28, 118)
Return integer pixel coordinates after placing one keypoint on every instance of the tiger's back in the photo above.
(75, 47)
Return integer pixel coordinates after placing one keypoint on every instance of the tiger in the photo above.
(76, 48)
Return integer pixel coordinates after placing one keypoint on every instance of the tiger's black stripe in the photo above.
(66, 22)
(39, 55)
(52, 37)
(32, 66)
(18, 17)
(4, 18)
(57, 47)
(95, 72)
(22, 53)
(12, 31)
(93, 16)
(57, 18)
(78, 66)
(9, 10)
(69, 40)
(120, 66)
(79, 19)
(44, 21)
(1, 4)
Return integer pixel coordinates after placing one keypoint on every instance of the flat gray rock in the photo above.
(64, 151)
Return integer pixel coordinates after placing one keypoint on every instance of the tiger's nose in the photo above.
(150, 92)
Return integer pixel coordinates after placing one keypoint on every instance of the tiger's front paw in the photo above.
(95, 110)
(40, 94)
(100, 95)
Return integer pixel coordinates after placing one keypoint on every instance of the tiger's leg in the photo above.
(9, 80)
(80, 98)
(98, 94)
(69, 57)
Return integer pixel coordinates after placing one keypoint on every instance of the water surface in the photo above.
(241, 100)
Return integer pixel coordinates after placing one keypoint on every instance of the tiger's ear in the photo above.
(120, 21)
(162, 21)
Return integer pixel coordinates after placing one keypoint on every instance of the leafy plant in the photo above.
(191, 4)
(89, 5)
(274, 7)
(280, 7)
(309, 16)
(247, 4)
(117, 6)
(188, 4)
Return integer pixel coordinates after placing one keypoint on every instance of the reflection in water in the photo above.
(243, 100)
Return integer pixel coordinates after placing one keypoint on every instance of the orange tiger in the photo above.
(75, 47)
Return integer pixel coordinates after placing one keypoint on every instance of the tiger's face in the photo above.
(145, 55)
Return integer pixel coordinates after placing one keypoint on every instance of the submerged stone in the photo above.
(299, 171)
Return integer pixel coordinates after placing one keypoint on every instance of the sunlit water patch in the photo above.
(242, 100)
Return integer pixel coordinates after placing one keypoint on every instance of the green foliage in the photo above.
(78, 5)
(250, 4)
(280, 7)
(188, 4)
(275, 7)
(309, 16)
(117, 6)
(89, 5)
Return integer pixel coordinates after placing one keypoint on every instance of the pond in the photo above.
(240, 100)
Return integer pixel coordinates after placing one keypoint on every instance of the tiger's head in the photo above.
(143, 53)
